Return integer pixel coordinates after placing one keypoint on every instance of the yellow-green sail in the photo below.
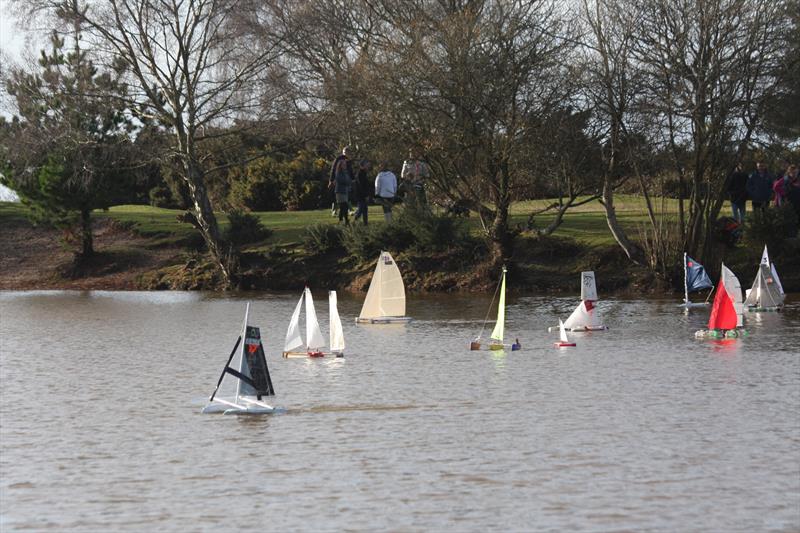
(497, 333)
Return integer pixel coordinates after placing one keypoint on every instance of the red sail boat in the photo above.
(723, 314)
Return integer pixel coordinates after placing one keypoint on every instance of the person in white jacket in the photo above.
(386, 189)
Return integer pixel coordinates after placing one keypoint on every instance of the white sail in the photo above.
(562, 331)
(499, 327)
(588, 286)
(294, 338)
(765, 261)
(777, 281)
(585, 316)
(386, 296)
(314, 338)
(765, 291)
(734, 290)
(240, 364)
(337, 333)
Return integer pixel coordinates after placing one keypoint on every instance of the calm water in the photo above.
(638, 428)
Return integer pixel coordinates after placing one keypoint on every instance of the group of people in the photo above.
(347, 183)
(761, 187)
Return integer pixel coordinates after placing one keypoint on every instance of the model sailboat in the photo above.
(315, 341)
(496, 338)
(585, 317)
(767, 292)
(248, 374)
(695, 278)
(563, 340)
(386, 297)
(727, 311)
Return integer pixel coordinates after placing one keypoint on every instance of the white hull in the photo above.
(384, 320)
(299, 355)
(579, 329)
(247, 407)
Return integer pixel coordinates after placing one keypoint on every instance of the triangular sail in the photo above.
(588, 286)
(314, 338)
(253, 375)
(294, 339)
(337, 333)
(765, 291)
(723, 314)
(562, 331)
(497, 333)
(734, 290)
(387, 294)
(765, 261)
(696, 277)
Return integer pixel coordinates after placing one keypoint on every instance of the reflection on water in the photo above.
(642, 427)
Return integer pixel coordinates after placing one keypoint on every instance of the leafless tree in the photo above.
(196, 69)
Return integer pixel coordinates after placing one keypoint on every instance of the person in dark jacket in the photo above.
(364, 191)
(344, 156)
(759, 186)
(737, 192)
(342, 182)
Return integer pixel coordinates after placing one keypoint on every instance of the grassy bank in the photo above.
(148, 247)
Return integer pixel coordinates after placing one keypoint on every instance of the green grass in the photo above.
(585, 223)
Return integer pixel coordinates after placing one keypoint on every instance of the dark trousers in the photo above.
(362, 211)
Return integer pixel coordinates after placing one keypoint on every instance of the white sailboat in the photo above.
(767, 292)
(563, 340)
(585, 317)
(496, 338)
(695, 278)
(727, 313)
(337, 333)
(314, 344)
(248, 376)
(386, 298)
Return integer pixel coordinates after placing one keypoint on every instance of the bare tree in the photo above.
(710, 68)
(195, 69)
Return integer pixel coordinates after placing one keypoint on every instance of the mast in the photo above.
(685, 281)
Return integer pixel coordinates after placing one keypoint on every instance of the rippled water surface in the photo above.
(638, 428)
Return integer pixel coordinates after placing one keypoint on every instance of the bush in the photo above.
(771, 226)
(245, 228)
(322, 238)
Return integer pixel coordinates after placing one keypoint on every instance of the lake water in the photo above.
(640, 428)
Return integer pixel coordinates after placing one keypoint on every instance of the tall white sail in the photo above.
(765, 291)
(497, 333)
(240, 364)
(562, 332)
(314, 338)
(588, 286)
(294, 339)
(386, 296)
(734, 290)
(765, 261)
(337, 333)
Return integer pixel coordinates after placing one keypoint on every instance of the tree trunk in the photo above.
(206, 222)
(633, 252)
(87, 241)
(502, 240)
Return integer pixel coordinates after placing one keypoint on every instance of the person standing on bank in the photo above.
(415, 172)
(342, 183)
(386, 189)
(737, 192)
(344, 156)
(759, 186)
(364, 191)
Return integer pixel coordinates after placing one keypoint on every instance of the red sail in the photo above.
(723, 314)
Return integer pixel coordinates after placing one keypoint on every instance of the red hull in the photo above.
(564, 344)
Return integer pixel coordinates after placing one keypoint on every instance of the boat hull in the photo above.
(384, 320)
(564, 344)
(299, 355)
(583, 328)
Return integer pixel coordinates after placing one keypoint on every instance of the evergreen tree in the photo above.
(69, 150)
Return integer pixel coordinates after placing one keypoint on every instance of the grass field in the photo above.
(585, 223)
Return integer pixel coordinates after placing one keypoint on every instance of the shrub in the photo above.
(322, 238)
(245, 228)
(771, 226)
